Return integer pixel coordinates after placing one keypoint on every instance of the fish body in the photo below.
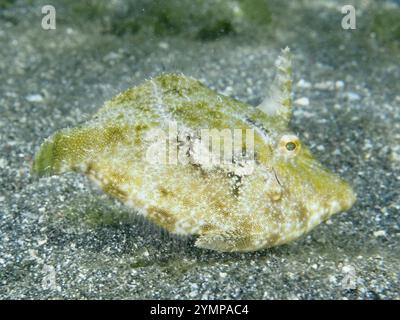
(196, 162)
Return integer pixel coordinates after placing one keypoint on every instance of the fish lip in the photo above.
(343, 205)
(324, 210)
(352, 199)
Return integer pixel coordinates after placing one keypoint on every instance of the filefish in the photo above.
(197, 162)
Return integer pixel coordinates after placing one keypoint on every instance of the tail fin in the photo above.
(279, 100)
(61, 152)
(44, 162)
(69, 149)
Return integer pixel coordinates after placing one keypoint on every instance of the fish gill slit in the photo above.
(276, 177)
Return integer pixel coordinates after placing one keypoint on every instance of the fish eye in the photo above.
(290, 146)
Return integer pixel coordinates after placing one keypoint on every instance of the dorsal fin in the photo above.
(278, 102)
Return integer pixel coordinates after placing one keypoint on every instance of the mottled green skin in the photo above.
(286, 195)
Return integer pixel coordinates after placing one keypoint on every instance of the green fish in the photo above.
(196, 162)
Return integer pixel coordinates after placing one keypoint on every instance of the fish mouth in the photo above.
(336, 206)
(350, 200)
(334, 194)
(343, 200)
(321, 211)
